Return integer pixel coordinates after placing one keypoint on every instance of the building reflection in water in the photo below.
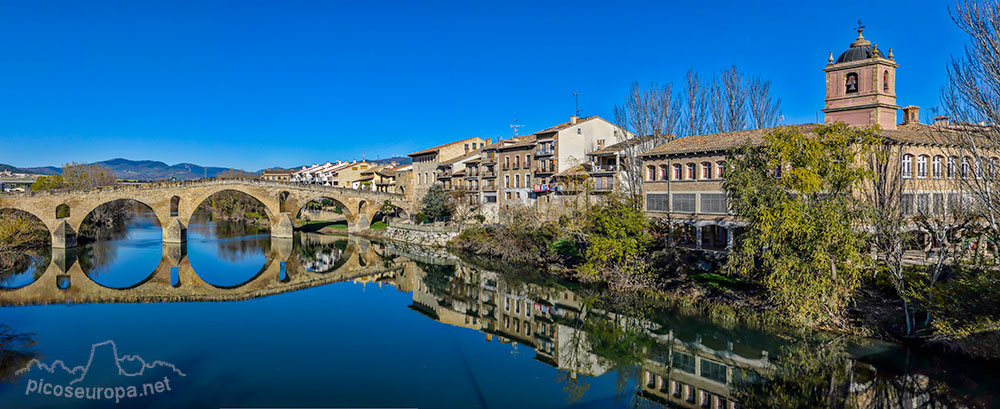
(672, 365)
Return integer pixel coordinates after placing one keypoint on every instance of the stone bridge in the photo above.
(175, 202)
(174, 280)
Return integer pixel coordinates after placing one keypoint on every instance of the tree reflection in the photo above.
(820, 374)
(15, 352)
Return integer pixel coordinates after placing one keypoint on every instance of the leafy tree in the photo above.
(48, 183)
(796, 193)
(617, 237)
(77, 176)
(436, 204)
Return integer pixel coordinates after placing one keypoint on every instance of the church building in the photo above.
(683, 177)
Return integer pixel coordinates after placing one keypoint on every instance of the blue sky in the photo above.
(259, 84)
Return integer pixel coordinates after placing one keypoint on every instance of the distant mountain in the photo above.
(142, 170)
(400, 160)
(154, 170)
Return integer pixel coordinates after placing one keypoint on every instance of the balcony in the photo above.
(489, 188)
(605, 168)
(545, 170)
(545, 151)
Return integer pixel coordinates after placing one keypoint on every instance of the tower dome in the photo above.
(861, 49)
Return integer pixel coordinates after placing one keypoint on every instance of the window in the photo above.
(664, 172)
(657, 202)
(713, 370)
(517, 180)
(885, 81)
(683, 362)
(506, 181)
(993, 167)
(517, 162)
(678, 172)
(650, 172)
(713, 203)
(936, 166)
(851, 83)
(965, 167)
(684, 202)
(721, 169)
(706, 170)
(907, 169)
(527, 160)
(922, 166)
(527, 180)
(951, 167)
(906, 204)
(691, 172)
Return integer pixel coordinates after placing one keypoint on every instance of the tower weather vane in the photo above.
(860, 26)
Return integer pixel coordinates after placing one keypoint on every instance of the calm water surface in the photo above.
(351, 323)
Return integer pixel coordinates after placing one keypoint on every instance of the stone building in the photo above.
(425, 162)
(683, 177)
(280, 175)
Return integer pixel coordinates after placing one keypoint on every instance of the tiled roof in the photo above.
(613, 149)
(911, 133)
(460, 158)
(520, 142)
(566, 124)
(437, 148)
(715, 142)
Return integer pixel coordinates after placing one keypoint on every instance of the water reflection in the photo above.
(664, 359)
(508, 340)
(124, 254)
(22, 268)
(226, 254)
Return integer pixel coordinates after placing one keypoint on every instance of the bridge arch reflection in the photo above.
(174, 279)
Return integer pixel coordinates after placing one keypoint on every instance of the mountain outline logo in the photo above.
(83, 369)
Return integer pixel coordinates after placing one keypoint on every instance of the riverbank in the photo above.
(638, 257)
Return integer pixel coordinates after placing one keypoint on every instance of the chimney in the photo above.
(573, 119)
(942, 120)
(489, 141)
(911, 114)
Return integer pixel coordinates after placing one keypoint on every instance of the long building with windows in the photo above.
(683, 178)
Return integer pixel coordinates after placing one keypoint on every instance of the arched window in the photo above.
(691, 171)
(951, 166)
(664, 172)
(175, 203)
(706, 170)
(979, 168)
(965, 167)
(885, 81)
(907, 169)
(720, 168)
(678, 172)
(993, 167)
(62, 211)
(650, 172)
(936, 166)
(851, 83)
(922, 166)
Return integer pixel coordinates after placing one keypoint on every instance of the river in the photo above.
(237, 319)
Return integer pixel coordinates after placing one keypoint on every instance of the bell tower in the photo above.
(861, 86)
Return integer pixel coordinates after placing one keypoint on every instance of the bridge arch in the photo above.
(269, 206)
(349, 214)
(88, 208)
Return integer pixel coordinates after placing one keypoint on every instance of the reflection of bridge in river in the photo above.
(174, 280)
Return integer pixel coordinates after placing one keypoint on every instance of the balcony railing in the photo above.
(604, 168)
(545, 151)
